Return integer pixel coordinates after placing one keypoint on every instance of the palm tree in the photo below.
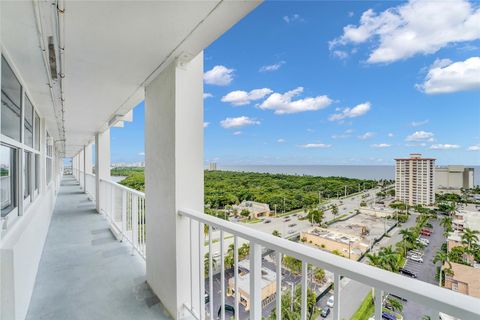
(276, 233)
(446, 223)
(470, 237)
(442, 257)
(396, 305)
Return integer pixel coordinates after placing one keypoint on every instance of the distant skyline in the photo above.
(339, 83)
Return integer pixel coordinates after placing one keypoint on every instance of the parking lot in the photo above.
(425, 272)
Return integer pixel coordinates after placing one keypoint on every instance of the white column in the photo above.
(81, 169)
(102, 164)
(88, 158)
(174, 180)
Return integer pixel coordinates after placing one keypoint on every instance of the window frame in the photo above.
(13, 168)
(36, 152)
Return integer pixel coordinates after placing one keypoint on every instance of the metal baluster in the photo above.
(378, 304)
(336, 296)
(304, 290)
(124, 213)
(235, 266)
(201, 271)
(255, 281)
(210, 271)
(134, 221)
(279, 285)
(222, 276)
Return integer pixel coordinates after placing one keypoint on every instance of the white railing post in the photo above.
(278, 257)
(134, 220)
(304, 309)
(201, 270)
(378, 304)
(255, 281)
(336, 296)
(124, 213)
(235, 272)
(210, 272)
(222, 276)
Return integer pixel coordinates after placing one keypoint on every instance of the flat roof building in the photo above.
(256, 209)
(414, 180)
(452, 178)
(464, 279)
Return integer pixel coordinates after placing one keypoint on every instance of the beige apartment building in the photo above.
(465, 279)
(414, 180)
(452, 178)
(268, 288)
(256, 209)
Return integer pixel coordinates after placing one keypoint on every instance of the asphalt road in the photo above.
(425, 272)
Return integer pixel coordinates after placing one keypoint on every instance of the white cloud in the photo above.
(346, 134)
(390, 135)
(141, 153)
(207, 95)
(315, 146)
(271, 67)
(381, 145)
(281, 140)
(219, 75)
(282, 103)
(416, 27)
(357, 111)
(237, 133)
(293, 18)
(475, 147)
(419, 123)
(444, 146)
(420, 136)
(351, 14)
(239, 98)
(205, 124)
(340, 54)
(238, 122)
(366, 136)
(446, 77)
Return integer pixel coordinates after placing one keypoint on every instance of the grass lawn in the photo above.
(366, 309)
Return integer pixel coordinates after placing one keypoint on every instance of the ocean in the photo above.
(374, 172)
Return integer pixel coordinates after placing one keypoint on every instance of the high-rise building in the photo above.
(453, 178)
(414, 180)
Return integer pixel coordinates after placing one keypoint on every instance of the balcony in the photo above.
(87, 247)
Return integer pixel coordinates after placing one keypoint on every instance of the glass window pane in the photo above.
(28, 123)
(49, 170)
(11, 103)
(7, 179)
(37, 171)
(26, 174)
(37, 132)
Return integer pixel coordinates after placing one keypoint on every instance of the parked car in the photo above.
(424, 240)
(427, 229)
(407, 273)
(416, 252)
(331, 301)
(267, 221)
(286, 219)
(426, 233)
(416, 258)
(388, 316)
(292, 225)
(325, 312)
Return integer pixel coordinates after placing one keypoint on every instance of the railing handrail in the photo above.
(118, 185)
(434, 297)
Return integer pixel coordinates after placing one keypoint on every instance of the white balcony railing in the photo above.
(90, 186)
(433, 297)
(125, 210)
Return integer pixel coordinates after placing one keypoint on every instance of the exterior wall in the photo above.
(414, 180)
(20, 253)
(452, 178)
(331, 245)
(465, 280)
(267, 292)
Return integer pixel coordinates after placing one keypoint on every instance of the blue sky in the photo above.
(339, 83)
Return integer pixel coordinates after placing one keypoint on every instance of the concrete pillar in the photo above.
(174, 180)
(88, 158)
(81, 169)
(102, 164)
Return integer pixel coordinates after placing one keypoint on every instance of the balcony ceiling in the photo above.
(112, 49)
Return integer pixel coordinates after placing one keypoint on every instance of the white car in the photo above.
(331, 301)
(424, 240)
(416, 258)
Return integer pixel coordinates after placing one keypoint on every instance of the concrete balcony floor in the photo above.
(84, 272)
